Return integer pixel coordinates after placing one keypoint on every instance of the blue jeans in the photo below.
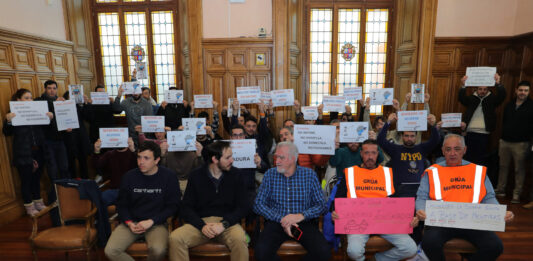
(404, 247)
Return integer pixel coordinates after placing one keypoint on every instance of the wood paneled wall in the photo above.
(26, 62)
(451, 56)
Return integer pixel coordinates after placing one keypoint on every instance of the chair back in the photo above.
(70, 205)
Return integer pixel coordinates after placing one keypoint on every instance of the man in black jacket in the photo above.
(213, 204)
(517, 132)
(174, 112)
(480, 118)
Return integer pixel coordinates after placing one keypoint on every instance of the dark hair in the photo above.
(369, 141)
(49, 82)
(236, 126)
(285, 121)
(98, 87)
(151, 146)
(19, 93)
(376, 120)
(144, 89)
(250, 118)
(524, 83)
(203, 114)
(66, 95)
(173, 88)
(215, 149)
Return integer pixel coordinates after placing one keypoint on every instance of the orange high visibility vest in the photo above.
(457, 184)
(366, 183)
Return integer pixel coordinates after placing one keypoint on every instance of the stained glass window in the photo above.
(165, 64)
(320, 55)
(110, 50)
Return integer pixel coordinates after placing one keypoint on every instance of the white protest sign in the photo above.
(230, 108)
(132, 88)
(203, 101)
(334, 103)
(450, 120)
(490, 217)
(174, 96)
(480, 76)
(266, 97)
(412, 120)
(142, 71)
(315, 139)
(29, 113)
(243, 153)
(99, 98)
(75, 92)
(355, 93)
(194, 124)
(383, 96)
(153, 123)
(249, 95)
(114, 137)
(417, 92)
(283, 97)
(181, 140)
(310, 113)
(353, 131)
(66, 115)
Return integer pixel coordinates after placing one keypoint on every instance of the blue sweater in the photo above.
(144, 197)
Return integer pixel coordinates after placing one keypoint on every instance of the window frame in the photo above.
(364, 6)
(147, 6)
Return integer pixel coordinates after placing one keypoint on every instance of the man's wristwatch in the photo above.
(225, 224)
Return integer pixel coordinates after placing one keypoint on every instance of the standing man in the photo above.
(148, 195)
(290, 199)
(440, 183)
(135, 107)
(213, 205)
(517, 132)
(480, 117)
(357, 177)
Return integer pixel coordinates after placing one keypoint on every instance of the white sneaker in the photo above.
(30, 209)
(39, 205)
(98, 179)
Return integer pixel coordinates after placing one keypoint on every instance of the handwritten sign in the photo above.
(283, 97)
(194, 124)
(114, 137)
(174, 96)
(181, 140)
(203, 101)
(412, 120)
(417, 92)
(29, 113)
(66, 115)
(450, 120)
(383, 96)
(153, 123)
(249, 95)
(489, 217)
(142, 70)
(480, 76)
(132, 88)
(353, 131)
(100, 98)
(353, 93)
(75, 92)
(374, 215)
(266, 97)
(315, 139)
(310, 113)
(243, 153)
(334, 103)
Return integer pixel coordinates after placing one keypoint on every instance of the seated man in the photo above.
(488, 245)
(213, 204)
(290, 196)
(148, 195)
(404, 246)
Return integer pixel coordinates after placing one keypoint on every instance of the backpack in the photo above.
(328, 228)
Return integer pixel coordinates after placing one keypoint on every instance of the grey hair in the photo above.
(453, 135)
(293, 150)
(291, 131)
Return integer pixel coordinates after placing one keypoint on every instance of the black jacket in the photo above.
(488, 106)
(98, 116)
(50, 131)
(201, 198)
(518, 123)
(77, 141)
(24, 138)
(173, 114)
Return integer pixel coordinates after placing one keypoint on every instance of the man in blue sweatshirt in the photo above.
(148, 195)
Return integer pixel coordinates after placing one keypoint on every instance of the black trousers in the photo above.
(477, 145)
(273, 236)
(489, 246)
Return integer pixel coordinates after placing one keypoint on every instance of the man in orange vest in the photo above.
(457, 180)
(372, 181)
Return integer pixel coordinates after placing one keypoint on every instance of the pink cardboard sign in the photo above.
(374, 215)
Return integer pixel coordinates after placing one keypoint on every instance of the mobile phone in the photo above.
(296, 232)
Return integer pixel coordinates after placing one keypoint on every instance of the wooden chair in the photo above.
(66, 237)
(459, 246)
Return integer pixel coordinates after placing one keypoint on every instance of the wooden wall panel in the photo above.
(26, 61)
